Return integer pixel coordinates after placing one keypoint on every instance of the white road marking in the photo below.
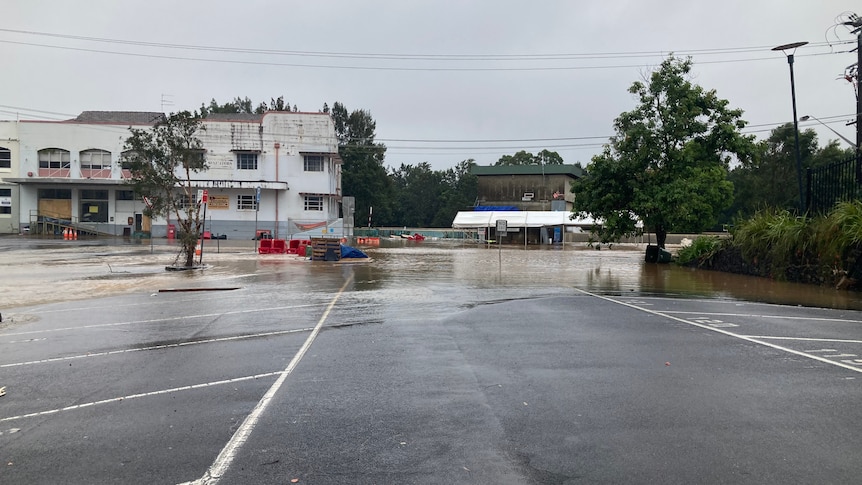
(228, 453)
(156, 347)
(853, 362)
(840, 356)
(754, 315)
(165, 319)
(726, 332)
(136, 396)
(25, 341)
(809, 339)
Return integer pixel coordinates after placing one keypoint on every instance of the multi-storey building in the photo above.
(277, 171)
(8, 169)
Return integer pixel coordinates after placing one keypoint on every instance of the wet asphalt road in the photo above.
(342, 374)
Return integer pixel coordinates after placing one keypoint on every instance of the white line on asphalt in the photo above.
(228, 453)
(750, 315)
(808, 339)
(166, 319)
(156, 347)
(725, 332)
(143, 394)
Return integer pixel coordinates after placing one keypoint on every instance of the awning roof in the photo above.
(470, 219)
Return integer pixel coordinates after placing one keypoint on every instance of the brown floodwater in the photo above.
(44, 271)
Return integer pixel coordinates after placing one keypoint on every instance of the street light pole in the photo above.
(807, 117)
(792, 47)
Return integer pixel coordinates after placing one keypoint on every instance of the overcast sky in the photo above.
(444, 80)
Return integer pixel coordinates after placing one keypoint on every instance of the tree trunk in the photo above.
(660, 236)
(190, 255)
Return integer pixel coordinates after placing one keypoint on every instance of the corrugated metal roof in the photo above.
(120, 117)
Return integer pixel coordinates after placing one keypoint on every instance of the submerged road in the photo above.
(426, 373)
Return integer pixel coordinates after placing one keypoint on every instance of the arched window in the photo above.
(5, 158)
(95, 163)
(54, 162)
(95, 160)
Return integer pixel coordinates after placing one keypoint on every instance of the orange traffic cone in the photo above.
(74, 234)
(66, 234)
(198, 248)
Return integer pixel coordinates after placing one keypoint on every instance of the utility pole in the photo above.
(856, 24)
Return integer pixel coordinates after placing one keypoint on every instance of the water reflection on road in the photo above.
(54, 272)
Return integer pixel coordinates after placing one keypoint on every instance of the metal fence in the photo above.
(832, 184)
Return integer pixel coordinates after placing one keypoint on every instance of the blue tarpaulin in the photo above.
(350, 252)
(495, 208)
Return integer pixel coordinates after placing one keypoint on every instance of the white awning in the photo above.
(475, 219)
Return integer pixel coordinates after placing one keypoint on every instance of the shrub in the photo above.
(700, 251)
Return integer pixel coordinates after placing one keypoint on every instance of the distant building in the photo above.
(73, 171)
(527, 187)
(535, 201)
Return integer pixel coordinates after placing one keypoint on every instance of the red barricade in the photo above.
(265, 246)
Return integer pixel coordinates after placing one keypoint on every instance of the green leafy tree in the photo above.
(161, 161)
(544, 157)
(667, 163)
(363, 175)
(461, 188)
(246, 105)
(769, 180)
(419, 196)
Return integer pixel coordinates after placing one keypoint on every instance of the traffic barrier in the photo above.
(278, 246)
(265, 246)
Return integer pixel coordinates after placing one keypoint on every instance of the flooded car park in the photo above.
(433, 361)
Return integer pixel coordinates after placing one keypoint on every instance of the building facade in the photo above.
(277, 171)
(527, 187)
(8, 169)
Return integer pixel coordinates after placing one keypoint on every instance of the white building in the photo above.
(8, 169)
(71, 171)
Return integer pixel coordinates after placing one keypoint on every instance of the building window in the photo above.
(313, 203)
(54, 158)
(246, 203)
(313, 163)
(5, 158)
(246, 161)
(63, 194)
(94, 206)
(125, 195)
(5, 201)
(95, 160)
(185, 203)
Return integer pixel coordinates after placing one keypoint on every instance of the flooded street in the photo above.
(43, 271)
(436, 362)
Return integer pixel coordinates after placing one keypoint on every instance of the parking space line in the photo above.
(224, 459)
(156, 347)
(754, 315)
(165, 319)
(753, 340)
(807, 339)
(140, 395)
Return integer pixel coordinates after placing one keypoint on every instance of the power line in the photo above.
(424, 57)
(385, 68)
